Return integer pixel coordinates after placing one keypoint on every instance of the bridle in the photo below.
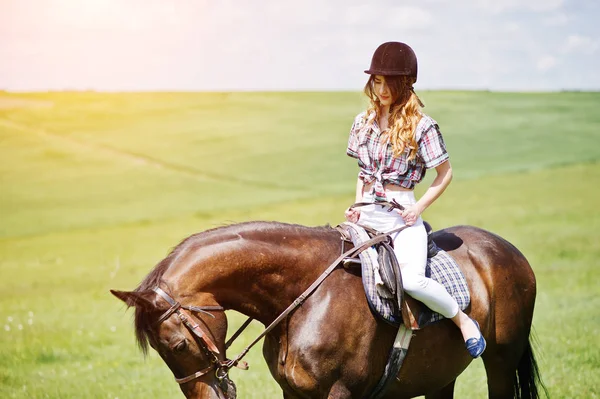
(206, 344)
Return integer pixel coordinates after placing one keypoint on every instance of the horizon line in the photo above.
(221, 91)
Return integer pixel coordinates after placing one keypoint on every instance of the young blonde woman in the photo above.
(395, 142)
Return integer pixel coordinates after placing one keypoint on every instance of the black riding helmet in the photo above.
(394, 59)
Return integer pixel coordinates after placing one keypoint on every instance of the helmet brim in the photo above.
(387, 72)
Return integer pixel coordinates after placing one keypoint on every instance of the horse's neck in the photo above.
(259, 278)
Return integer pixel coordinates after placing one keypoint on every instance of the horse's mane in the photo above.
(143, 320)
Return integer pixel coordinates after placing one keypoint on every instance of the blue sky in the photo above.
(295, 45)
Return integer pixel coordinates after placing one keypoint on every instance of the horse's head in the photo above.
(190, 339)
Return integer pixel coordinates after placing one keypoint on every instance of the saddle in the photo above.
(414, 314)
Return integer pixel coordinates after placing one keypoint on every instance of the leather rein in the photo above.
(207, 344)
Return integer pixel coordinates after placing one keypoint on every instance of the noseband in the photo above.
(207, 345)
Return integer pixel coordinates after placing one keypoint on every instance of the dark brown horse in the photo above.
(332, 346)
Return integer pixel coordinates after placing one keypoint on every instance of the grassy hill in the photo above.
(95, 188)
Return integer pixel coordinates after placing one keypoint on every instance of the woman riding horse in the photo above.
(395, 142)
(329, 344)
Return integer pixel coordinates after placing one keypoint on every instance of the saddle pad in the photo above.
(441, 268)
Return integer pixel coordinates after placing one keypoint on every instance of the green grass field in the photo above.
(96, 188)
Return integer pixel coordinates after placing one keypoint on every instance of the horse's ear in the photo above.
(142, 299)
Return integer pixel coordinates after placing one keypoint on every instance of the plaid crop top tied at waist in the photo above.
(376, 159)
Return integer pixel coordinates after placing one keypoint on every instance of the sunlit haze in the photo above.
(295, 45)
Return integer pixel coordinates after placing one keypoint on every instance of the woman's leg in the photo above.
(410, 246)
(466, 325)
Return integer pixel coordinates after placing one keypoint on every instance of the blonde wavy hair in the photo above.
(405, 113)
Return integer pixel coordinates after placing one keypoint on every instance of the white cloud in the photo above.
(359, 15)
(512, 27)
(581, 44)
(558, 19)
(546, 63)
(409, 17)
(500, 6)
(399, 17)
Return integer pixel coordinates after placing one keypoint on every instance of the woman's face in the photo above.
(382, 91)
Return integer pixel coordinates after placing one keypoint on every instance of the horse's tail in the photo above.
(528, 381)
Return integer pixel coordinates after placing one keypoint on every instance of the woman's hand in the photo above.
(352, 215)
(410, 214)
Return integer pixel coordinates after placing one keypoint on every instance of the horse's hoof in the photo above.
(476, 346)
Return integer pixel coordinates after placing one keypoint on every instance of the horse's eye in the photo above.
(180, 347)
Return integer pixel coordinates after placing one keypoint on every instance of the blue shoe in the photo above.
(476, 346)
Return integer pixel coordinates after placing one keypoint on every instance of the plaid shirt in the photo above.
(376, 159)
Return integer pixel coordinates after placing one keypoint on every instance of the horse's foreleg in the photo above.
(446, 392)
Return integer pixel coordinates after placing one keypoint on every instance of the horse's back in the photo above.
(490, 263)
(501, 281)
(474, 238)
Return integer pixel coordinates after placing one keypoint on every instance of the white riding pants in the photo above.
(410, 247)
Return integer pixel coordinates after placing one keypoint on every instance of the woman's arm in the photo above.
(359, 189)
(439, 184)
(352, 215)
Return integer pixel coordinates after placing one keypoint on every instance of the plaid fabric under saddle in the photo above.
(441, 268)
